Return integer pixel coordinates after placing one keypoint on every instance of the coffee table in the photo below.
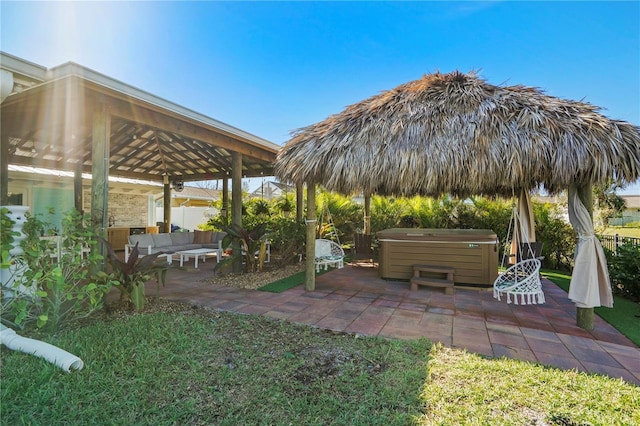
(196, 254)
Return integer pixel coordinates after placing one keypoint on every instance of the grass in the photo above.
(623, 231)
(197, 366)
(289, 282)
(624, 316)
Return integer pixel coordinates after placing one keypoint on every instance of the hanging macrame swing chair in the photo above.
(522, 279)
(329, 252)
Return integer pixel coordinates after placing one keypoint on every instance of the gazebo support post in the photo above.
(584, 316)
(310, 274)
(4, 169)
(77, 187)
(100, 173)
(166, 205)
(225, 201)
(367, 214)
(236, 204)
(299, 202)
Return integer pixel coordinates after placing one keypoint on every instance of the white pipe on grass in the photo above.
(53, 354)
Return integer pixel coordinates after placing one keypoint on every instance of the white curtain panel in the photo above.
(590, 285)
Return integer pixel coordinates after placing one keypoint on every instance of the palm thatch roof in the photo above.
(457, 134)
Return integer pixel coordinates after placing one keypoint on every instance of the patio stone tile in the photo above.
(470, 315)
(612, 337)
(631, 363)
(415, 315)
(507, 339)
(442, 311)
(472, 344)
(471, 324)
(306, 317)
(367, 326)
(374, 310)
(387, 303)
(513, 352)
(548, 347)
(416, 307)
(627, 350)
(562, 362)
(504, 328)
(391, 297)
(404, 322)
(333, 323)
(253, 309)
(436, 337)
(501, 320)
(278, 314)
(229, 305)
(579, 342)
(533, 333)
(400, 333)
(615, 372)
(360, 300)
(599, 356)
(436, 318)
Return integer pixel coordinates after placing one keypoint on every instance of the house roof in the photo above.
(48, 122)
(633, 201)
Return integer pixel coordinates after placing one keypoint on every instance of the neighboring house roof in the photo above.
(633, 201)
(196, 193)
(271, 189)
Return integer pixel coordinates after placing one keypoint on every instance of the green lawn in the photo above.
(179, 365)
(187, 366)
(623, 231)
(624, 316)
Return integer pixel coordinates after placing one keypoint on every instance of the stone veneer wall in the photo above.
(127, 209)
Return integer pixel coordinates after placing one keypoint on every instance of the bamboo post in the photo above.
(310, 270)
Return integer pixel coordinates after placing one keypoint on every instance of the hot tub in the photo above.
(473, 253)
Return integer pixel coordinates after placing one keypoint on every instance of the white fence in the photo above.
(187, 217)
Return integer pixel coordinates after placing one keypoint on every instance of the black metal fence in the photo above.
(612, 242)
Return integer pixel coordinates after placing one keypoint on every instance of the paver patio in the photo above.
(355, 300)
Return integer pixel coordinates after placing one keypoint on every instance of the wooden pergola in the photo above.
(74, 119)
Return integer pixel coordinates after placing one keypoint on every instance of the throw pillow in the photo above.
(202, 237)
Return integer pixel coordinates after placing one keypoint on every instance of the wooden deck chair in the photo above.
(362, 248)
(521, 279)
(328, 253)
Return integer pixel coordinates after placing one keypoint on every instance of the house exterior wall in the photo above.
(126, 209)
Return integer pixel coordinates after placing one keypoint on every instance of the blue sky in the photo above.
(272, 67)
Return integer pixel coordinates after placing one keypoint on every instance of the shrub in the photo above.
(55, 291)
(624, 270)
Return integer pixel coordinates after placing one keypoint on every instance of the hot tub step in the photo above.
(432, 282)
(446, 282)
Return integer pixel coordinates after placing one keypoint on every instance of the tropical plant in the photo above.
(249, 241)
(53, 291)
(624, 270)
(287, 238)
(133, 274)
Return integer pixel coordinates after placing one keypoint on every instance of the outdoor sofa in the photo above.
(174, 242)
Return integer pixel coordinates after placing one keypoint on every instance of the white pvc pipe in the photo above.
(53, 354)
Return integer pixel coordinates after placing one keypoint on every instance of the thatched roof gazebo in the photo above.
(457, 134)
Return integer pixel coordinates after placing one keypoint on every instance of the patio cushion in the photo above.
(202, 237)
(161, 240)
(181, 238)
(143, 240)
